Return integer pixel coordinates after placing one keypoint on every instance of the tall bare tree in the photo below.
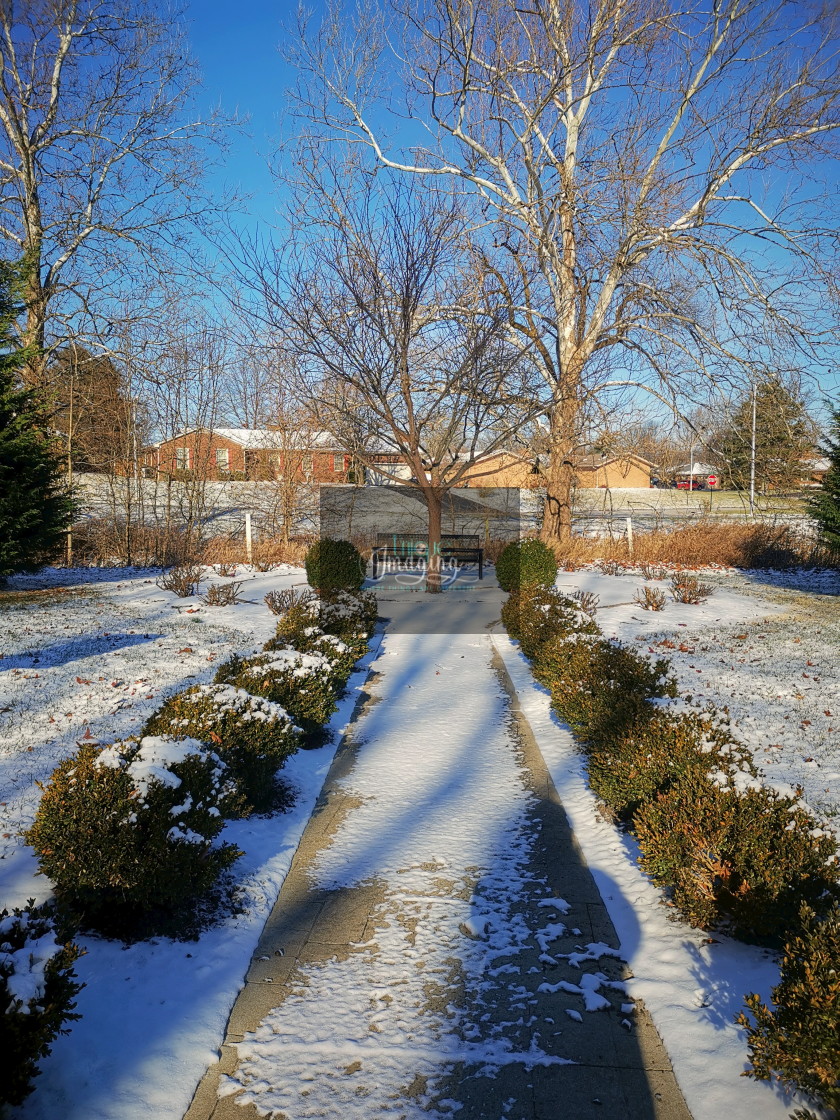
(378, 301)
(100, 161)
(641, 171)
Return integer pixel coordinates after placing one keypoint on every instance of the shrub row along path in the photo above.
(439, 947)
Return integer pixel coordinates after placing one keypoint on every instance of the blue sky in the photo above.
(237, 47)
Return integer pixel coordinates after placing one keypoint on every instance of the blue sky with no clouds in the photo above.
(236, 43)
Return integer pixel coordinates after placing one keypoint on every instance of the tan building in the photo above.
(613, 472)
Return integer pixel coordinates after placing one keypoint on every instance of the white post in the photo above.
(630, 536)
(248, 540)
(752, 461)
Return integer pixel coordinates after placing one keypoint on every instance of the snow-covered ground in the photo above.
(99, 650)
(102, 654)
(764, 645)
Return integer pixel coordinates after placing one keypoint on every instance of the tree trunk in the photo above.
(434, 502)
(560, 476)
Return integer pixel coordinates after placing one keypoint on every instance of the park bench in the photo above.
(408, 547)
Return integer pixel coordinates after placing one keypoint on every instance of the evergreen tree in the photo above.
(784, 436)
(824, 507)
(35, 507)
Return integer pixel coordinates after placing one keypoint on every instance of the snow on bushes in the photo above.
(600, 687)
(252, 735)
(730, 852)
(533, 614)
(305, 684)
(797, 1040)
(524, 564)
(126, 832)
(744, 858)
(658, 752)
(37, 989)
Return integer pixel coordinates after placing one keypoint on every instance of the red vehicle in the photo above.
(691, 484)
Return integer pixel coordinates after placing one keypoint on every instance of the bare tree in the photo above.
(642, 172)
(99, 158)
(379, 306)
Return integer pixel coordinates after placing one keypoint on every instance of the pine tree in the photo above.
(784, 436)
(824, 507)
(35, 507)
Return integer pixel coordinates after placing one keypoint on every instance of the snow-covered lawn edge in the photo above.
(693, 985)
(153, 1014)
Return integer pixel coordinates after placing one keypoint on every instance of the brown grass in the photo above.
(704, 544)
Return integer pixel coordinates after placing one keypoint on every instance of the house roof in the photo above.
(593, 462)
(260, 439)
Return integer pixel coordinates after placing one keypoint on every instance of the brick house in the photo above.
(250, 453)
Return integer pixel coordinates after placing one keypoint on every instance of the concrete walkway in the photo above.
(439, 947)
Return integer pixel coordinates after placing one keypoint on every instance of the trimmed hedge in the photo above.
(796, 1041)
(126, 833)
(252, 735)
(599, 687)
(659, 752)
(735, 854)
(305, 684)
(534, 614)
(525, 564)
(37, 992)
(334, 566)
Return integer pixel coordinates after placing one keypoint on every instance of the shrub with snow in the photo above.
(658, 752)
(252, 735)
(797, 1040)
(341, 655)
(535, 613)
(736, 854)
(525, 564)
(127, 832)
(305, 684)
(37, 989)
(599, 687)
(345, 613)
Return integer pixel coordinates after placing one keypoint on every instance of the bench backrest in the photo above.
(411, 541)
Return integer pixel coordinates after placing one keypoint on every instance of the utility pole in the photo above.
(752, 458)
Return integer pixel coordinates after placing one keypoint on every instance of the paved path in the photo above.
(439, 947)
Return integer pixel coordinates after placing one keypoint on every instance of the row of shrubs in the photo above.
(129, 832)
(731, 854)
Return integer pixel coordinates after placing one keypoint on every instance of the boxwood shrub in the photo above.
(658, 752)
(534, 613)
(127, 832)
(524, 564)
(599, 687)
(312, 639)
(797, 1040)
(37, 992)
(334, 565)
(734, 853)
(305, 684)
(347, 613)
(252, 735)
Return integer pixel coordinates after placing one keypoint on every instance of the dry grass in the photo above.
(266, 554)
(704, 544)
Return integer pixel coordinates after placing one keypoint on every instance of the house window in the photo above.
(338, 462)
(308, 466)
(182, 458)
(223, 458)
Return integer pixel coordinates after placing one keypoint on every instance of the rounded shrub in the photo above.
(304, 684)
(127, 832)
(524, 564)
(347, 613)
(334, 566)
(534, 614)
(736, 854)
(37, 991)
(599, 687)
(629, 771)
(797, 1041)
(252, 735)
(291, 634)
